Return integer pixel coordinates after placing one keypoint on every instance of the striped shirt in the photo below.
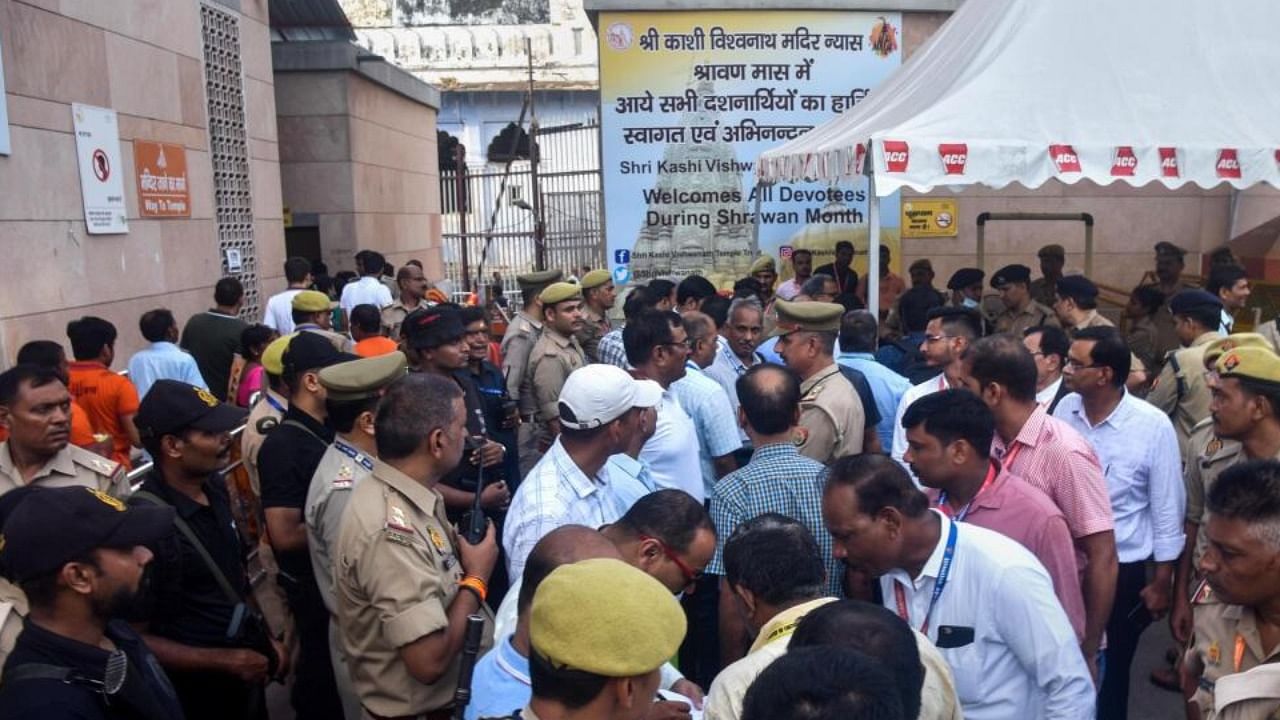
(778, 479)
(1058, 461)
(707, 405)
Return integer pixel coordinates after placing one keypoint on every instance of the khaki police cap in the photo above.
(807, 316)
(273, 356)
(764, 263)
(1164, 247)
(363, 378)
(604, 616)
(1053, 251)
(1253, 363)
(312, 301)
(539, 278)
(595, 279)
(1217, 348)
(559, 292)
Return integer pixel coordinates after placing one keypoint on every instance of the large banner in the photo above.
(688, 102)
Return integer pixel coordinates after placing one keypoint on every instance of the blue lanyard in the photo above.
(274, 403)
(941, 583)
(365, 461)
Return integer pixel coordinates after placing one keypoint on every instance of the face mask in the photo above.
(969, 302)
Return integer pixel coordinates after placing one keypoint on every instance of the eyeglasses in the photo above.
(691, 576)
(937, 338)
(686, 344)
(1077, 365)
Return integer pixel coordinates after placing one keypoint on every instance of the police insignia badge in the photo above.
(436, 539)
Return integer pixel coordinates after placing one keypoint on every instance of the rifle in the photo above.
(470, 649)
(475, 523)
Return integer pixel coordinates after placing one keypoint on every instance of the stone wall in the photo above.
(142, 58)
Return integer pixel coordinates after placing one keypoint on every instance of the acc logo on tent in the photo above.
(1169, 162)
(1124, 163)
(895, 155)
(1228, 163)
(954, 156)
(1065, 158)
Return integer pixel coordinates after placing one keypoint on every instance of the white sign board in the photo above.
(4, 112)
(101, 170)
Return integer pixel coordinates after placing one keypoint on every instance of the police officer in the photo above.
(1237, 612)
(352, 392)
(80, 554)
(287, 461)
(1170, 262)
(404, 580)
(517, 344)
(556, 354)
(832, 420)
(598, 295)
(1244, 425)
(1076, 304)
(501, 413)
(313, 312)
(1052, 259)
(200, 620)
(13, 604)
(599, 623)
(1180, 390)
(37, 407)
(1013, 282)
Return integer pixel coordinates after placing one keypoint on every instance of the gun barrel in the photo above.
(470, 649)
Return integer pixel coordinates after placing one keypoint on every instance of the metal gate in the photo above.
(567, 182)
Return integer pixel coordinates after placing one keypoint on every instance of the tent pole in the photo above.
(873, 248)
(755, 225)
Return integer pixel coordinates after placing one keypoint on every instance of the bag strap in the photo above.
(294, 423)
(1177, 374)
(232, 596)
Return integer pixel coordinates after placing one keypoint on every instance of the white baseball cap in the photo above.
(597, 394)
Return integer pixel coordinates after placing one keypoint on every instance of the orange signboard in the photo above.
(163, 190)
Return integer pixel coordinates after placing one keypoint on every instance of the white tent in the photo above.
(1167, 91)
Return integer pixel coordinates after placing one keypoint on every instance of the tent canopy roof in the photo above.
(1168, 91)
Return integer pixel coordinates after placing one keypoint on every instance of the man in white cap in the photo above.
(600, 408)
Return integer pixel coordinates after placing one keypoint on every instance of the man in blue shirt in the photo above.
(162, 359)
(500, 683)
(858, 335)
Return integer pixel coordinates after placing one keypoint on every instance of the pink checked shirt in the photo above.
(1058, 461)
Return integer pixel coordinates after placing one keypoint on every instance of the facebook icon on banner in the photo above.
(621, 256)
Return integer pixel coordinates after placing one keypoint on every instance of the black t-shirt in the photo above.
(213, 340)
(185, 602)
(871, 413)
(287, 460)
(146, 694)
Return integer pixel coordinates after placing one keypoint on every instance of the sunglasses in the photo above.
(691, 576)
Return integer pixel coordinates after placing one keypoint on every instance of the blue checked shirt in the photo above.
(778, 479)
(612, 351)
(706, 403)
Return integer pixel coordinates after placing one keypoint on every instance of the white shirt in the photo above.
(928, 387)
(556, 492)
(672, 452)
(725, 369)
(1138, 450)
(279, 313)
(368, 290)
(1046, 396)
(1023, 661)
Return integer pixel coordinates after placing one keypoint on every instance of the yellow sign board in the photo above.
(929, 218)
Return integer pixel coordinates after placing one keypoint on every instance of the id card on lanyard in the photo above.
(940, 584)
(962, 513)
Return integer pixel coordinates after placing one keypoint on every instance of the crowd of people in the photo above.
(754, 503)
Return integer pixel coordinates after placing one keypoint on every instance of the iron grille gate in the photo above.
(569, 186)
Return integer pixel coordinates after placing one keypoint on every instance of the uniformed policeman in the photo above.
(352, 392)
(80, 554)
(765, 271)
(37, 407)
(598, 295)
(606, 621)
(832, 420)
(1180, 390)
(556, 354)
(1076, 304)
(1022, 312)
(1052, 259)
(1170, 262)
(1244, 425)
(517, 343)
(13, 603)
(1237, 612)
(313, 312)
(404, 580)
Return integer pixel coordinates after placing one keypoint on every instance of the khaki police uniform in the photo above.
(396, 571)
(594, 327)
(394, 314)
(1141, 338)
(552, 359)
(341, 342)
(1180, 390)
(1226, 641)
(1019, 321)
(1092, 319)
(1043, 291)
(263, 416)
(1166, 332)
(522, 334)
(1271, 331)
(13, 609)
(832, 420)
(69, 467)
(1250, 695)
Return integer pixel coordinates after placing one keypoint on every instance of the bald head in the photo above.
(563, 546)
(770, 396)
